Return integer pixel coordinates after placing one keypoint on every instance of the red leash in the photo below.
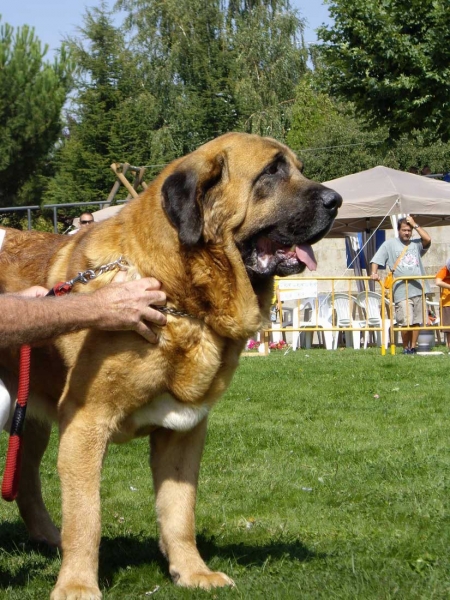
(10, 482)
(11, 475)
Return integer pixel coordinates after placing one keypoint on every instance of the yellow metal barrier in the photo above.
(357, 320)
(425, 304)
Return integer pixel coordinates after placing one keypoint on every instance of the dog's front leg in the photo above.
(175, 462)
(83, 439)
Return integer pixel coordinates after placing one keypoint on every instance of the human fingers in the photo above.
(150, 283)
(149, 294)
(120, 276)
(156, 297)
(140, 285)
(36, 291)
(143, 329)
(153, 315)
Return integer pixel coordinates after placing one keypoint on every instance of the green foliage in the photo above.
(106, 75)
(391, 59)
(329, 138)
(311, 487)
(32, 93)
(333, 141)
(218, 66)
(268, 62)
(178, 74)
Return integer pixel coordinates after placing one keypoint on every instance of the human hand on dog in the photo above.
(37, 291)
(126, 305)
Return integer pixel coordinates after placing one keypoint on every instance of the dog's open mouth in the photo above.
(267, 258)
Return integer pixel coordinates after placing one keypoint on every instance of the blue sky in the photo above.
(55, 19)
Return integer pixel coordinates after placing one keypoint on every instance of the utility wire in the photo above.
(343, 146)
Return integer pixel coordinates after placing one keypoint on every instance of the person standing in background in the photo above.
(403, 256)
(443, 281)
(84, 221)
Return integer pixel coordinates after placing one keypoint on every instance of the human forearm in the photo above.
(118, 306)
(426, 239)
(440, 283)
(374, 271)
(28, 320)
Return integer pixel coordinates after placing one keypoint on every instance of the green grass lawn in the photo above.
(325, 475)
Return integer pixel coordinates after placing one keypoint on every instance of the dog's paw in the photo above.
(50, 536)
(205, 580)
(75, 592)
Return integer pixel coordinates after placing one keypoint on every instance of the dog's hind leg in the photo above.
(29, 498)
(175, 462)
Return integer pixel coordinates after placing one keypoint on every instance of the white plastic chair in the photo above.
(435, 307)
(370, 302)
(320, 316)
(343, 305)
(287, 321)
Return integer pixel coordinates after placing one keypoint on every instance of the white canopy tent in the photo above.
(376, 198)
(109, 211)
(371, 197)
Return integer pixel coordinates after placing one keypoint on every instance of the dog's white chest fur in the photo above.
(163, 411)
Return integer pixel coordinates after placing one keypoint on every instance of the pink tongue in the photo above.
(305, 255)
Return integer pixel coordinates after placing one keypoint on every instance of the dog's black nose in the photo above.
(331, 199)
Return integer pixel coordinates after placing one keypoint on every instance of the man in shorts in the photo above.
(443, 281)
(407, 294)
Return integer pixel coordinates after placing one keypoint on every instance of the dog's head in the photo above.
(252, 188)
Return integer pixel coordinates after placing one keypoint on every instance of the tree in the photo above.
(32, 94)
(101, 125)
(333, 141)
(269, 59)
(183, 55)
(391, 59)
(179, 73)
(329, 138)
(218, 65)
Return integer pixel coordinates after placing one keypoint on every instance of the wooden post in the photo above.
(124, 180)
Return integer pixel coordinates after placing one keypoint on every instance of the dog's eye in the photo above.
(271, 169)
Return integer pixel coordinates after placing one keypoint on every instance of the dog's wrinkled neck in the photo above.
(220, 291)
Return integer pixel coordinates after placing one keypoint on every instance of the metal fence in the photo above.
(54, 208)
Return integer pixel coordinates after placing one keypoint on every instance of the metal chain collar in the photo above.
(90, 274)
(86, 276)
(173, 311)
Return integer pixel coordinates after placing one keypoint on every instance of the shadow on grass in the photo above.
(130, 551)
(14, 540)
(15, 544)
(121, 552)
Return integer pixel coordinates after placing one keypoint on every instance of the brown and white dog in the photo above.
(215, 227)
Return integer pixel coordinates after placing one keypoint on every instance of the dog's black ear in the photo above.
(183, 193)
(181, 205)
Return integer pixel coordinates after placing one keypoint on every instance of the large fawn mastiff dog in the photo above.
(214, 227)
